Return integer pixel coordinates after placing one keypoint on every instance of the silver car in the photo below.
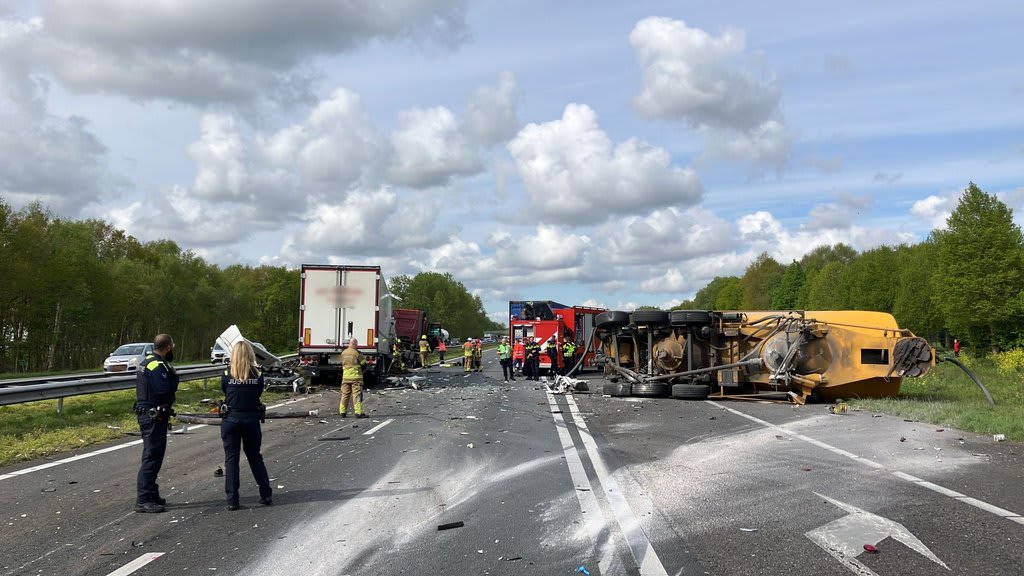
(127, 357)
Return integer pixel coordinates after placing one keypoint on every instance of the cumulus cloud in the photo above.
(376, 222)
(55, 161)
(666, 237)
(762, 232)
(492, 113)
(573, 174)
(837, 214)
(715, 85)
(430, 149)
(198, 52)
(935, 209)
(334, 149)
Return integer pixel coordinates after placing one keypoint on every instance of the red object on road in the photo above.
(871, 548)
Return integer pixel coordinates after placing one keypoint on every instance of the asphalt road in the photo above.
(542, 484)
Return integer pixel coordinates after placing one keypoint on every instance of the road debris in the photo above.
(583, 570)
(513, 559)
(839, 408)
(748, 529)
(870, 549)
(999, 437)
(219, 472)
(903, 438)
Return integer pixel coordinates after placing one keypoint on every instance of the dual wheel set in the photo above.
(657, 390)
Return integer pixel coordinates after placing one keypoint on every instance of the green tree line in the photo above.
(72, 291)
(445, 300)
(964, 281)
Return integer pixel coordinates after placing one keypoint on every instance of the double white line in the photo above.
(639, 545)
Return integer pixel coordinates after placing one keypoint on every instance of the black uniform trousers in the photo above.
(243, 433)
(154, 446)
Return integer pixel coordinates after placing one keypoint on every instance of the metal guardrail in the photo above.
(92, 385)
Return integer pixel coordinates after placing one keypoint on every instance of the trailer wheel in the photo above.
(690, 391)
(650, 317)
(651, 389)
(611, 320)
(616, 389)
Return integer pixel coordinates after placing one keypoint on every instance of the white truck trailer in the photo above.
(338, 303)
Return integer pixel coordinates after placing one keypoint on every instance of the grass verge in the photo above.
(35, 430)
(947, 397)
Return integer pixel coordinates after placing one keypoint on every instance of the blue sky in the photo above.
(612, 154)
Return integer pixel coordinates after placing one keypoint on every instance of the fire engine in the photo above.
(551, 322)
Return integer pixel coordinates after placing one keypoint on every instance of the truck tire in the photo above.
(649, 317)
(690, 391)
(616, 389)
(678, 317)
(651, 389)
(611, 320)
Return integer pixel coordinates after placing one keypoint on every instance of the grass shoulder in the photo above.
(34, 430)
(947, 397)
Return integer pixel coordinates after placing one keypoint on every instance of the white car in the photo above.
(218, 355)
(127, 357)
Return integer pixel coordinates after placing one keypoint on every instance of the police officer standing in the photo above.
(156, 384)
(240, 428)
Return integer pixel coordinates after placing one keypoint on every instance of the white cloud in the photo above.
(492, 113)
(369, 223)
(935, 209)
(762, 232)
(716, 86)
(666, 236)
(234, 50)
(430, 149)
(573, 174)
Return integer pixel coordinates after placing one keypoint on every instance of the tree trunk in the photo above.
(56, 334)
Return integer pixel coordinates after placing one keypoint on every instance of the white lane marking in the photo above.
(646, 558)
(979, 504)
(582, 487)
(108, 449)
(378, 426)
(844, 538)
(136, 564)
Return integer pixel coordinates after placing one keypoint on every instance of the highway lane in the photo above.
(543, 485)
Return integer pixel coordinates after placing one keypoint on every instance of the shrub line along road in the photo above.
(543, 484)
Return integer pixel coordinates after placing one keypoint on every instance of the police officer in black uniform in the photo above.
(156, 383)
(240, 429)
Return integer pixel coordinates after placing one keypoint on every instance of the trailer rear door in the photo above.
(338, 304)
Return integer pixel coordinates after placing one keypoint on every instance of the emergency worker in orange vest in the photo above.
(518, 356)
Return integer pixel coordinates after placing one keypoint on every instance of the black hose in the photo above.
(977, 381)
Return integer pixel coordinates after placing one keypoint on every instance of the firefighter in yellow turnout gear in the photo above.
(424, 350)
(352, 364)
(467, 355)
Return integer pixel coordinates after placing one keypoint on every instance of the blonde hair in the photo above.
(243, 360)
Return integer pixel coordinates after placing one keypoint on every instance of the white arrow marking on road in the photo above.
(845, 538)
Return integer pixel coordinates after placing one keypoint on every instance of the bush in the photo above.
(1010, 362)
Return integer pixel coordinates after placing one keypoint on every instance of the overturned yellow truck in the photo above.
(692, 354)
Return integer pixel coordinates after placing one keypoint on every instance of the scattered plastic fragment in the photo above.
(748, 529)
(583, 570)
(470, 445)
(999, 437)
(871, 549)
(138, 544)
(903, 438)
(49, 489)
(513, 559)
(839, 408)
(876, 415)
(218, 472)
